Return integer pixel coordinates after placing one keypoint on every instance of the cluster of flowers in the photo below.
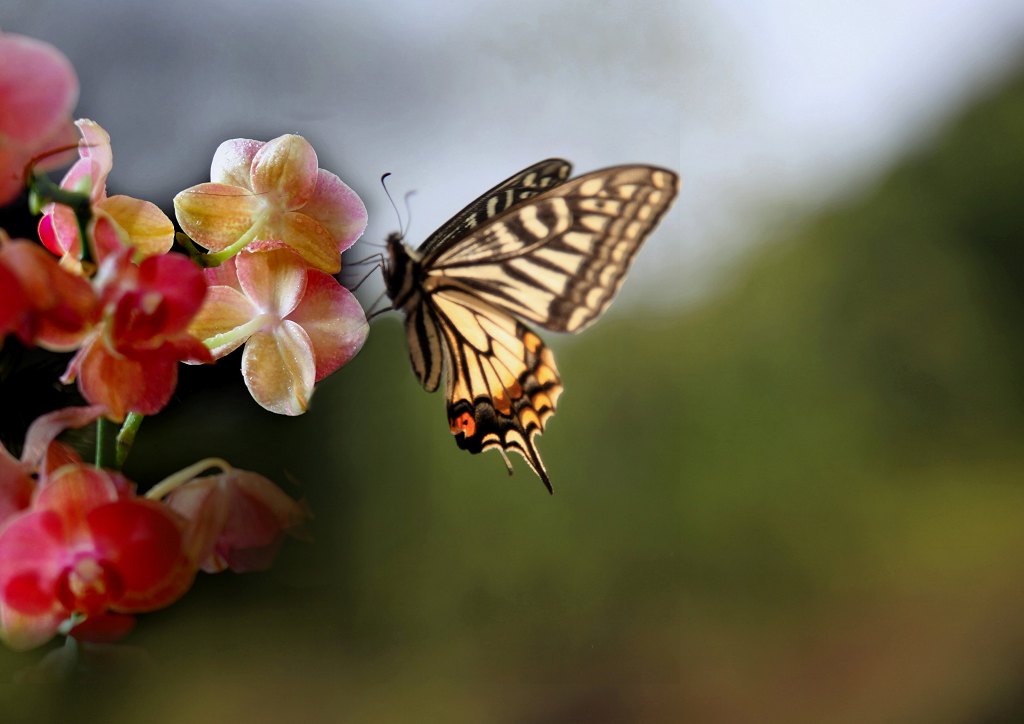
(81, 550)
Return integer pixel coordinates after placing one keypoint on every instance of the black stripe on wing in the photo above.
(559, 259)
(527, 183)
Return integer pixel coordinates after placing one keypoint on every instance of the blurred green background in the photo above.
(798, 500)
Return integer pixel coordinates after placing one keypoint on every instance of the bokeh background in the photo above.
(789, 464)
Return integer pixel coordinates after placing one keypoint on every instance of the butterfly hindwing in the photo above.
(502, 383)
(558, 259)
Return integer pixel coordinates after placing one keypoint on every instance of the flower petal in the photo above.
(38, 89)
(334, 321)
(22, 631)
(16, 486)
(237, 519)
(217, 215)
(310, 239)
(149, 230)
(142, 540)
(180, 284)
(285, 167)
(232, 162)
(58, 230)
(46, 428)
(279, 369)
(273, 277)
(72, 491)
(63, 304)
(141, 383)
(338, 209)
(94, 148)
(225, 309)
(32, 554)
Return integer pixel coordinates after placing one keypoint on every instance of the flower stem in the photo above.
(168, 484)
(104, 443)
(126, 438)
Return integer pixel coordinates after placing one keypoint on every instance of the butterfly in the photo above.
(537, 248)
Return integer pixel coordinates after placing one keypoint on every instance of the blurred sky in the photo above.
(765, 108)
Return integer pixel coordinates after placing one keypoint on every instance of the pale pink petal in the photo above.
(217, 215)
(286, 167)
(260, 514)
(338, 209)
(311, 240)
(225, 309)
(38, 88)
(57, 149)
(16, 486)
(334, 321)
(279, 369)
(95, 149)
(12, 173)
(205, 510)
(46, 428)
(232, 162)
(274, 279)
(148, 229)
(223, 275)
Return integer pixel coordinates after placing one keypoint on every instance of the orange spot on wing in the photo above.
(503, 402)
(463, 424)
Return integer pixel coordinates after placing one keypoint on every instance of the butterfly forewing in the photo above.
(519, 187)
(558, 259)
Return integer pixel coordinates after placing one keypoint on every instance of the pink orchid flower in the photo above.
(298, 324)
(237, 520)
(272, 191)
(87, 548)
(38, 90)
(116, 220)
(41, 302)
(129, 363)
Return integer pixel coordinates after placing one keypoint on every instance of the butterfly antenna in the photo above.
(383, 182)
(402, 228)
(408, 212)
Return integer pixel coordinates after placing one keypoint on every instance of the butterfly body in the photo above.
(537, 248)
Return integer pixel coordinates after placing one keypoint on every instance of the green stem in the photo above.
(126, 438)
(165, 486)
(104, 443)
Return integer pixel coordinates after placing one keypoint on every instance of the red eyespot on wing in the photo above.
(464, 424)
